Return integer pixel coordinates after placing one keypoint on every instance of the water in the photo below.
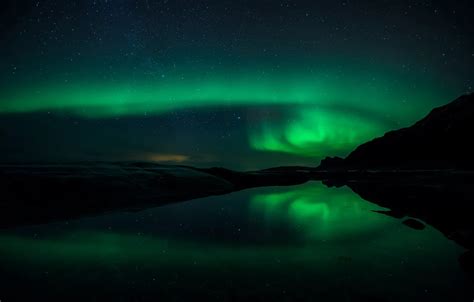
(301, 243)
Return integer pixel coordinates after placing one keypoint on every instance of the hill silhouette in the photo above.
(441, 140)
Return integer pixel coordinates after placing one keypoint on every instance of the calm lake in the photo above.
(300, 243)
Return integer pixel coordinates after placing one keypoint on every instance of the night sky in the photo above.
(240, 84)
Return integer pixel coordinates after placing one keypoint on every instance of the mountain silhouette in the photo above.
(441, 140)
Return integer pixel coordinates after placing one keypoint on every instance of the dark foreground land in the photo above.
(33, 194)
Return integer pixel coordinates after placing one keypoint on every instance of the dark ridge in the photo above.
(441, 140)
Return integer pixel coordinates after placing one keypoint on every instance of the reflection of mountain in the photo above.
(440, 140)
(446, 205)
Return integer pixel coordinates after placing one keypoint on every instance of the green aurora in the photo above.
(315, 133)
(370, 90)
(275, 84)
(329, 112)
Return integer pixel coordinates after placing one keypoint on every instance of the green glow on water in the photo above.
(325, 236)
(319, 213)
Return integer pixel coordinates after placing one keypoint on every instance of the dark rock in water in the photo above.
(414, 224)
(441, 140)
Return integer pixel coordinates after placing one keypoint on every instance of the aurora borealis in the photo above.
(244, 85)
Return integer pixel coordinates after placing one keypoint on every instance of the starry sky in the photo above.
(241, 84)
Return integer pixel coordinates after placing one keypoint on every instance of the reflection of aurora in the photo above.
(103, 248)
(317, 212)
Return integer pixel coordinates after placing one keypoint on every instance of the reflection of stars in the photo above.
(237, 116)
(226, 135)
